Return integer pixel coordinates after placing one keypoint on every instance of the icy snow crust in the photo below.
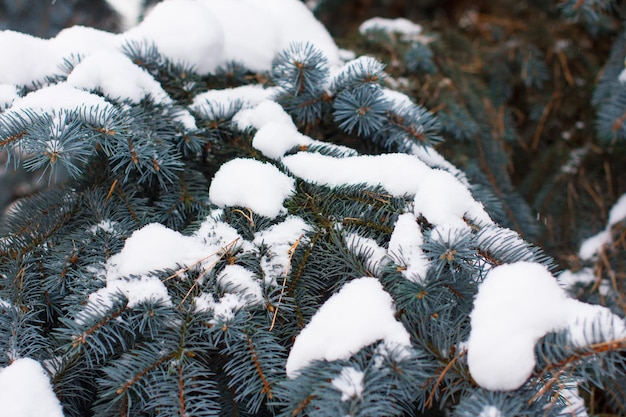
(505, 322)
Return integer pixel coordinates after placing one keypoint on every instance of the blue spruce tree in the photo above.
(242, 223)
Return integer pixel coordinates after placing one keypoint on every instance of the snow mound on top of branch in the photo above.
(592, 246)
(516, 305)
(401, 26)
(203, 33)
(360, 314)
(438, 195)
(25, 391)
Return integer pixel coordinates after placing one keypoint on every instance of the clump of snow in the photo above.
(247, 96)
(58, 97)
(241, 289)
(202, 33)
(399, 100)
(117, 77)
(129, 10)
(249, 183)
(438, 195)
(8, 94)
(265, 112)
(356, 67)
(154, 247)
(490, 411)
(136, 290)
(107, 226)
(256, 30)
(516, 305)
(278, 241)
(618, 211)
(591, 246)
(574, 403)
(19, 68)
(575, 159)
(25, 391)
(443, 199)
(568, 279)
(151, 248)
(405, 247)
(622, 77)
(374, 254)
(360, 314)
(275, 139)
(349, 383)
(399, 174)
(238, 280)
(435, 160)
(218, 234)
(184, 31)
(224, 309)
(404, 27)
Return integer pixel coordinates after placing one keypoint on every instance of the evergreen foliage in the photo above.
(119, 168)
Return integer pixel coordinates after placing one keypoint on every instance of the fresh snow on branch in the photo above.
(25, 391)
(591, 246)
(516, 305)
(360, 314)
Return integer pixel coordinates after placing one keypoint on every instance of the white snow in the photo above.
(224, 309)
(438, 195)
(349, 383)
(404, 27)
(154, 247)
(202, 33)
(241, 289)
(443, 199)
(490, 411)
(355, 67)
(117, 77)
(129, 10)
(568, 279)
(247, 96)
(618, 211)
(136, 290)
(516, 305)
(622, 76)
(274, 139)
(184, 31)
(249, 183)
(574, 403)
(25, 391)
(255, 31)
(57, 97)
(405, 248)
(107, 226)
(8, 94)
(265, 112)
(238, 280)
(374, 255)
(591, 246)
(360, 314)
(279, 240)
